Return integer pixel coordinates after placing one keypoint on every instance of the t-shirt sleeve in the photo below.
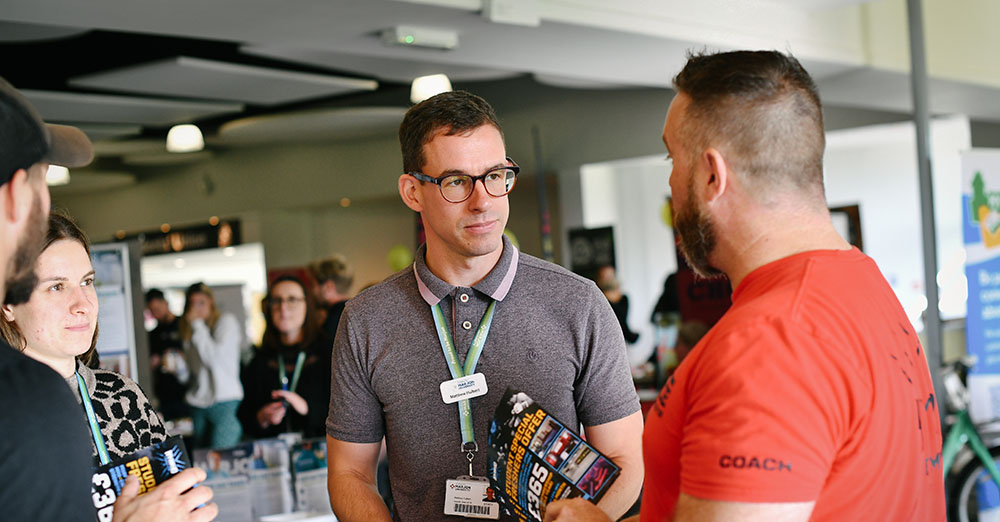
(355, 411)
(763, 417)
(604, 391)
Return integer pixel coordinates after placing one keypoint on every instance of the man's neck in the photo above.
(459, 270)
(759, 246)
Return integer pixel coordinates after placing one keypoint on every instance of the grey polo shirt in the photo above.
(553, 336)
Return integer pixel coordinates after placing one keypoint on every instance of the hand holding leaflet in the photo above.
(535, 459)
(137, 487)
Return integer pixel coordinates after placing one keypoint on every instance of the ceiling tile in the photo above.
(103, 108)
(402, 70)
(214, 80)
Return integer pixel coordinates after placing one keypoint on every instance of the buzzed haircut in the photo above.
(761, 109)
(457, 111)
(333, 269)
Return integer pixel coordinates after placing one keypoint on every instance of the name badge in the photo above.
(471, 498)
(467, 387)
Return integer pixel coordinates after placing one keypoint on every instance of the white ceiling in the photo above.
(582, 43)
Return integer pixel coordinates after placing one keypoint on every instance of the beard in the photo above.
(21, 280)
(697, 238)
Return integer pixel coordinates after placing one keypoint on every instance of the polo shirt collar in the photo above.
(496, 284)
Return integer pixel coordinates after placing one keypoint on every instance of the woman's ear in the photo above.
(8, 313)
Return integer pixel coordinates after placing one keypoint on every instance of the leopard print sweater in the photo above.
(128, 422)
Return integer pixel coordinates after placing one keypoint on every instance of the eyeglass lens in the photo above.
(459, 187)
(277, 301)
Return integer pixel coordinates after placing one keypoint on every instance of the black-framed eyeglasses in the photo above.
(276, 302)
(457, 188)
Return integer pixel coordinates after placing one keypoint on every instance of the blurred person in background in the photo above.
(166, 356)
(212, 347)
(607, 281)
(287, 383)
(334, 278)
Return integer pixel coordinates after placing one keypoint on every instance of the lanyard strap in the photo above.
(471, 360)
(95, 428)
(295, 375)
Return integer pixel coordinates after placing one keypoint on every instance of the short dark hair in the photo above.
(762, 110)
(333, 269)
(457, 111)
(154, 293)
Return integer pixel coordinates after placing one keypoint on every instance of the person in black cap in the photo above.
(44, 451)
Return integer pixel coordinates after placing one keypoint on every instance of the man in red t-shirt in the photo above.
(811, 398)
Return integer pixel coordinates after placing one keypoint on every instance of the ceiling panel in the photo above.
(98, 132)
(215, 80)
(402, 70)
(81, 181)
(312, 125)
(101, 108)
(887, 90)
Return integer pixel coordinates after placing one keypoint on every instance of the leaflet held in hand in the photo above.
(152, 465)
(536, 459)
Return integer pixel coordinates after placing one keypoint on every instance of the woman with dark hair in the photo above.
(212, 346)
(58, 327)
(288, 381)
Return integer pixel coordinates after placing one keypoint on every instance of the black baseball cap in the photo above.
(25, 139)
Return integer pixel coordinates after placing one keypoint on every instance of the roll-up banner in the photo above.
(981, 236)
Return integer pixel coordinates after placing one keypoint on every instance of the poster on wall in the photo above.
(113, 279)
(981, 236)
(591, 248)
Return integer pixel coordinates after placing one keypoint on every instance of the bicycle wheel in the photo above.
(973, 496)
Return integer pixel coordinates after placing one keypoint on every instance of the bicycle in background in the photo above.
(969, 454)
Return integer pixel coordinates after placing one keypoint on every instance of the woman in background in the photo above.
(212, 346)
(58, 327)
(288, 381)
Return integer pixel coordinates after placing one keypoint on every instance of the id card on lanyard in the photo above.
(95, 428)
(467, 495)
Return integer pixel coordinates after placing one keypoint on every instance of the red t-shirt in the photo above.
(813, 387)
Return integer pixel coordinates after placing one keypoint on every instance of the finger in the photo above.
(196, 496)
(181, 482)
(205, 513)
(131, 488)
(551, 511)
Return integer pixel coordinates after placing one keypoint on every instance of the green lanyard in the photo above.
(471, 359)
(295, 375)
(95, 428)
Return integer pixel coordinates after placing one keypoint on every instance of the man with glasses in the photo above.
(469, 297)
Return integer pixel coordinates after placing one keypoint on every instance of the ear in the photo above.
(718, 174)
(410, 193)
(16, 198)
(8, 313)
